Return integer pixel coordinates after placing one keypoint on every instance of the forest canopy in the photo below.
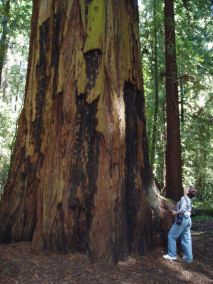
(194, 43)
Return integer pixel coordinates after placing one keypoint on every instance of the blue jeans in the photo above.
(182, 231)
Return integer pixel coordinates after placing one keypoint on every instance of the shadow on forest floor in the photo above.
(18, 265)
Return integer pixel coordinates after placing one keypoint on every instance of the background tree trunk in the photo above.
(80, 178)
(174, 187)
(4, 35)
(154, 130)
(182, 103)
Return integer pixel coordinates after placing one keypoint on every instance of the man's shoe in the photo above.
(169, 257)
(186, 259)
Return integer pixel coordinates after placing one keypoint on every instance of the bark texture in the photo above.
(174, 187)
(80, 178)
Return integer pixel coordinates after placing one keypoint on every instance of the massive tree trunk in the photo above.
(80, 178)
(174, 187)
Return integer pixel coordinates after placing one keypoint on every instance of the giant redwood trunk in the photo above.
(174, 188)
(80, 178)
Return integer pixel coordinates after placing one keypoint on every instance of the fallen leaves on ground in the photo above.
(18, 265)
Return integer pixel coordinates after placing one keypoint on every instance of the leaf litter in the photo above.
(19, 266)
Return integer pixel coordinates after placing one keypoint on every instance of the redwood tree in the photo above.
(174, 187)
(4, 35)
(155, 118)
(80, 178)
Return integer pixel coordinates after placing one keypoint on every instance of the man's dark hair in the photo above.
(192, 192)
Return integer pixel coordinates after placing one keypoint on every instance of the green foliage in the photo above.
(7, 132)
(147, 36)
(201, 218)
(204, 199)
(19, 16)
(4, 170)
(194, 58)
(14, 74)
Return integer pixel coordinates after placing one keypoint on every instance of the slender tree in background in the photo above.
(174, 187)
(151, 22)
(182, 103)
(14, 30)
(153, 144)
(13, 75)
(4, 35)
(80, 178)
(193, 35)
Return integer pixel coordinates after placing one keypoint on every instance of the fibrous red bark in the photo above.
(80, 178)
(174, 189)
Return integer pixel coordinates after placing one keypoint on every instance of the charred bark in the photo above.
(80, 178)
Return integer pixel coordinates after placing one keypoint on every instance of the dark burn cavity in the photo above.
(56, 49)
(134, 103)
(62, 242)
(84, 170)
(130, 94)
(42, 85)
(93, 61)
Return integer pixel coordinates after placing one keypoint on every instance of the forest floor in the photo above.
(18, 265)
